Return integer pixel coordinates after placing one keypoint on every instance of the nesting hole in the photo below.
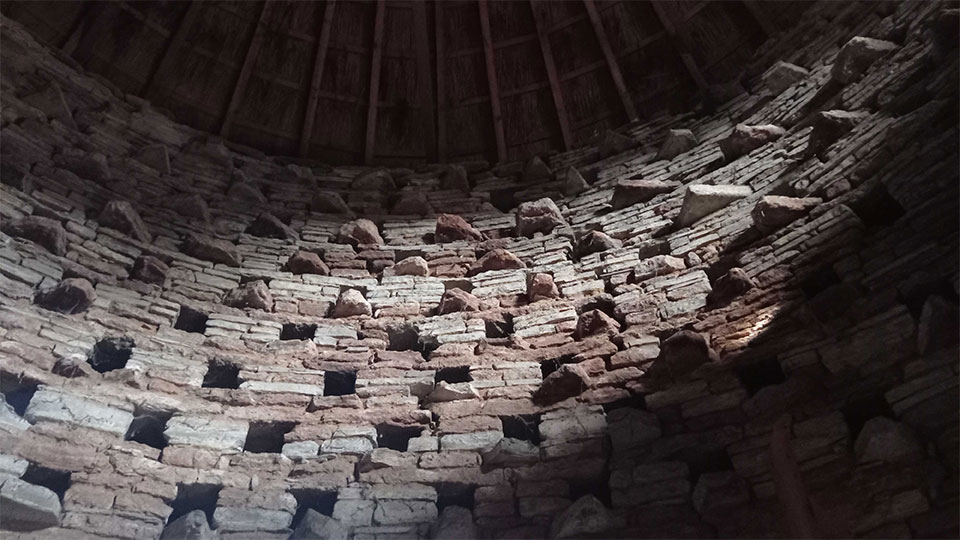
(499, 328)
(298, 331)
(598, 487)
(857, 411)
(636, 401)
(549, 366)
(339, 383)
(147, 427)
(455, 494)
(403, 337)
(192, 497)
(191, 320)
(221, 374)
(819, 280)
(52, 479)
(877, 209)
(266, 437)
(318, 500)
(110, 354)
(525, 427)
(17, 393)
(396, 437)
(503, 199)
(713, 461)
(766, 372)
(453, 375)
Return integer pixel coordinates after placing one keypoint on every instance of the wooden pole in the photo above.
(319, 61)
(685, 55)
(492, 80)
(374, 94)
(240, 88)
(611, 60)
(545, 48)
(424, 80)
(441, 83)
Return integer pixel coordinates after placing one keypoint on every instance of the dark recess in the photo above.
(339, 383)
(267, 437)
(396, 437)
(298, 331)
(147, 427)
(766, 372)
(221, 374)
(52, 479)
(110, 354)
(192, 497)
(191, 320)
(453, 375)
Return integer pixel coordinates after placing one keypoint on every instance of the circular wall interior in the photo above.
(738, 319)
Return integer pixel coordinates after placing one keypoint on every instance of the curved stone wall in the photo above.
(735, 322)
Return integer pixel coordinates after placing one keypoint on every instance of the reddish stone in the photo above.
(454, 300)
(498, 259)
(44, 232)
(120, 215)
(567, 381)
(451, 228)
(307, 262)
(72, 295)
(596, 322)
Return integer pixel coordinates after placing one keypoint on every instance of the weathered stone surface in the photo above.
(631, 428)
(830, 126)
(612, 143)
(630, 192)
(27, 507)
(454, 523)
(658, 265)
(14, 176)
(883, 439)
(351, 303)
(497, 259)
(307, 262)
(50, 101)
(300, 450)
(454, 300)
(328, 202)
(541, 216)
(354, 512)
(717, 494)
(190, 205)
(783, 75)
(455, 177)
(677, 142)
(536, 171)
(856, 56)
(411, 266)
(540, 286)
(190, 526)
(357, 446)
(453, 228)
(316, 526)
(377, 181)
(702, 200)
(413, 203)
(156, 157)
(511, 452)
(72, 295)
(49, 405)
(360, 231)
(92, 166)
(597, 242)
(573, 182)
(250, 519)
(241, 190)
(212, 249)
(745, 139)
(10, 421)
(225, 435)
(149, 269)
(254, 294)
(477, 440)
(681, 353)
(595, 322)
(444, 391)
(396, 512)
(586, 517)
(773, 211)
(120, 215)
(42, 231)
(734, 283)
(568, 380)
(269, 226)
(939, 320)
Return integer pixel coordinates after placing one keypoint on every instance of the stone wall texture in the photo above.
(743, 325)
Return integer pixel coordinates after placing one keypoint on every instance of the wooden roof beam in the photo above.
(319, 61)
(424, 80)
(769, 29)
(492, 80)
(177, 37)
(681, 47)
(377, 57)
(240, 88)
(441, 83)
(612, 64)
(555, 89)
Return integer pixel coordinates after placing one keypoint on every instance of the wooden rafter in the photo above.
(441, 86)
(612, 64)
(319, 61)
(424, 81)
(79, 43)
(76, 28)
(555, 89)
(377, 56)
(681, 47)
(769, 29)
(240, 88)
(492, 80)
(176, 40)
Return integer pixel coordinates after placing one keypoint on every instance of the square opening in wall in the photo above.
(403, 337)
(767, 372)
(525, 427)
(862, 408)
(339, 383)
(499, 329)
(147, 427)
(221, 374)
(298, 331)
(877, 209)
(267, 437)
(192, 497)
(455, 494)
(52, 479)
(819, 280)
(396, 437)
(110, 354)
(598, 487)
(453, 375)
(17, 393)
(709, 461)
(318, 500)
(191, 320)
